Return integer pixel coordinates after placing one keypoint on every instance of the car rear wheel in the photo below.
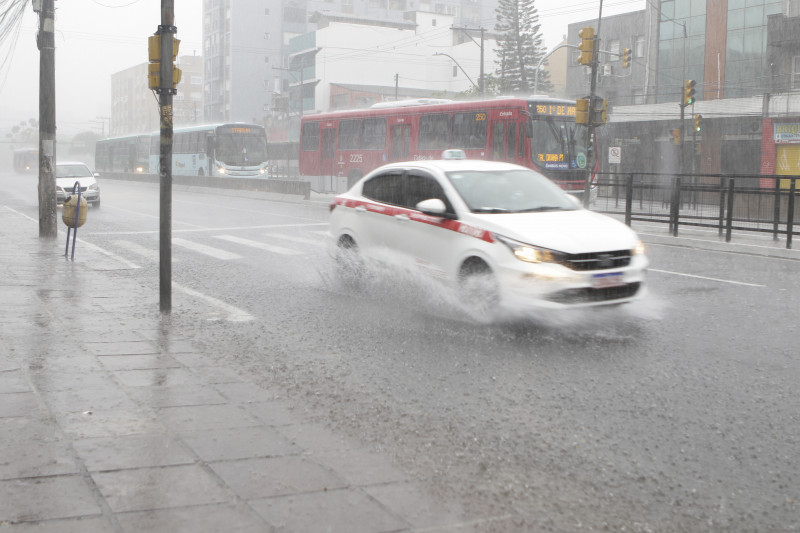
(349, 267)
(96, 205)
(478, 287)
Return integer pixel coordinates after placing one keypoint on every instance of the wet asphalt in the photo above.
(111, 420)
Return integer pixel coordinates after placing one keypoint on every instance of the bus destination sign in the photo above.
(554, 110)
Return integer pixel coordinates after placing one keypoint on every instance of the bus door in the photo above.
(399, 139)
(504, 141)
(328, 151)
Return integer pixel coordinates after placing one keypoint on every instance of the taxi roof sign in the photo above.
(454, 153)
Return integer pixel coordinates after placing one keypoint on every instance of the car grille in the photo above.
(598, 261)
(589, 295)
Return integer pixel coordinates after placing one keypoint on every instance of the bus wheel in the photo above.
(201, 173)
(477, 286)
(353, 177)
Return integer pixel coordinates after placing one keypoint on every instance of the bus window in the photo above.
(469, 130)
(310, 137)
(512, 139)
(374, 133)
(498, 140)
(350, 134)
(434, 132)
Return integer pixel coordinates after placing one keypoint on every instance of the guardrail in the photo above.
(763, 204)
(270, 185)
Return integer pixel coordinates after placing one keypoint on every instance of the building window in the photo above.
(613, 46)
(796, 72)
(638, 46)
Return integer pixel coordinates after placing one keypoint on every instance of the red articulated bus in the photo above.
(537, 132)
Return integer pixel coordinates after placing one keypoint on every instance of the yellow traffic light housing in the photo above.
(154, 68)
(676, 136)
(599, 112)
(582, 111)
(688, 93)
(626, 57)
(587, 45)
(698, 123)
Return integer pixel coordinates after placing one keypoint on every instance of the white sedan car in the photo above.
(68, 173)
(500, 233)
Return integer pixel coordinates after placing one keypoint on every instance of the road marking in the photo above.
(207, 250)
(294, 238)
(200, 230)
(234, 313)
(147, 253)
(260, 245)
(108, 254)
(706, 278)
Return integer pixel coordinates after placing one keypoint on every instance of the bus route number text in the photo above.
(356, 158)
(555, 110)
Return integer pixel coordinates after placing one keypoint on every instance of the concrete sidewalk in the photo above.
(112, 421)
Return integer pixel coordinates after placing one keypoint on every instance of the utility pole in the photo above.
(166, 31)
(587, 186)
(45, 41)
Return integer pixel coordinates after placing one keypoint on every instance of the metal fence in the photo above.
(763, 204)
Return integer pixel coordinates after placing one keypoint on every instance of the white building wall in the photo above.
(358, 54)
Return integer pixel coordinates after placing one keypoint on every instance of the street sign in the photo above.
(614, 155)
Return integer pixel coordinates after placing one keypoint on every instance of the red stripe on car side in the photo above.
(444, 223)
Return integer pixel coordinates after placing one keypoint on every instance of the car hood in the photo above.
(68, 183)
(579, 231)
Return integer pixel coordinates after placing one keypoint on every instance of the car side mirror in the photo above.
(433, 207)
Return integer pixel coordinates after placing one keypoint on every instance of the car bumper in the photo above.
(555, 286)
(90, 196)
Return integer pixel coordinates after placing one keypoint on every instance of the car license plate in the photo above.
(610, 279)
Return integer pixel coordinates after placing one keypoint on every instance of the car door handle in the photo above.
(361, 209)
(403, 218)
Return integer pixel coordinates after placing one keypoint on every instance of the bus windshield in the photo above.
(558, 144)
(241, 150)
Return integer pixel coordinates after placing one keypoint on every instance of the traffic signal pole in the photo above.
(45, 40)
(587, 186)
(167, 32)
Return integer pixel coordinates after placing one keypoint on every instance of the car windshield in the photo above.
(72, 171)
(509, 191)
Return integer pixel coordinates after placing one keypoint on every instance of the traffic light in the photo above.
(676, 136)
(599, 112)
(626, 57)
(587, 45)
(582, 111)
(688, 93)
(698, 123)
(154, 68)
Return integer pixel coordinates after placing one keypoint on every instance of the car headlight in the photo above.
(220, 171)
(530, 253)
(262, 170)
(94, 187)
(638, 249)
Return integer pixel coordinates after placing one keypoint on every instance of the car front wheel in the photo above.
(478, 287)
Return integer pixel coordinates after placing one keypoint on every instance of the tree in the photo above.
(25, 133)
(520, 46)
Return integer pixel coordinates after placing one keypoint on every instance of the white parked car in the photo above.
(497, 231)
(68, 173)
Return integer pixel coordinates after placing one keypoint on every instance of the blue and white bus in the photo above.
(130, 153)
(222, 150)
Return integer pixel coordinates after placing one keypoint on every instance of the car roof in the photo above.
(451, 165)
(59, 163)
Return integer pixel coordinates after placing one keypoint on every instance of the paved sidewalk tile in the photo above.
(88, 524)
(196, 519)
(239, 443)
(132, 451)
(176, 396)
(36, 459)
(337, 511)
(264, 478)
(360, 467)
(205, 417)
(45, 498)
(108, 423)
(157, 488)
(18, 404)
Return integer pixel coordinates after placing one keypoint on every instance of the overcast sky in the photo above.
(95, 38)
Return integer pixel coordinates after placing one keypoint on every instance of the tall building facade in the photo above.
(246, 45)
(135, 110)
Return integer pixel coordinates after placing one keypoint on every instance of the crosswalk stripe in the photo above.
(207, 250)
(259, 245)
(294, 238)
(138, 249)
